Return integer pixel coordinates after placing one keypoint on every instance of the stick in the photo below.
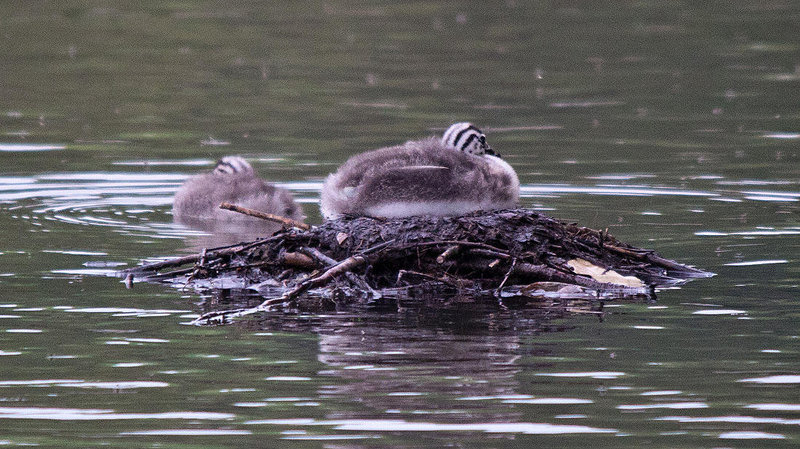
(326, 261)
(288, 222)
(202, 260)
(318, 256)
(155, 266)
(490, 253)
(298, 260)
(312, 280)
(453, 283)
(654, 259)
(508, 274)
(212, 254)
(458, 243)
(551, 274)
(345, 266)
(448, 253)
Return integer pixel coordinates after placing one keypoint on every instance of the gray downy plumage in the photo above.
(233, 180)
(422, 177)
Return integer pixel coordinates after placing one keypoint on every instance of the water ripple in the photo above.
(77, 414)
(187, 432)
(392, 425)
(591, 374)
(780, 379)
(668, 405)
(72, 383)
(775, 407)
(137, 202)
(134, 202)
(613, 190)
(27, 147)
(734, 419)
(549, 401)
(744, 435)
(751, 263)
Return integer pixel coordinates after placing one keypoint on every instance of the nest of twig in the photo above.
(514, 256)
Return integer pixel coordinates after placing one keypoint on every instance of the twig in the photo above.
(444, 280)
(490, 253)
(650, 257)
(460, 243)
(318, 256)
(288, 222)
(508, 274)
(197, 267)
(345, 266)
(211, 254)
(155, 266)
(545, 273)
(448, 253)
(326, 261)
(299, 260)
(312, 280)
(448, 242)
(203, 254)
(169, 274)
(497, 291)
(551, 274)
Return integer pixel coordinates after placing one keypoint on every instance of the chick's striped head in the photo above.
(466, 137)
(230, 165)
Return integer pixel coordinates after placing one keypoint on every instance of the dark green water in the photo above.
(674, 124)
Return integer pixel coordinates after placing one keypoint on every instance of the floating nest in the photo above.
(507, 258)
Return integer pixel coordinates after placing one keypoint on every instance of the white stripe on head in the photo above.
(229, 165)
(466, 137)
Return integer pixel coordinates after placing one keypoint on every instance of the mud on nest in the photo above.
(517, 256)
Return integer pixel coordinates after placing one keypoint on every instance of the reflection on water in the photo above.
(215, 234)
(396, 373)
(423, 378)
(377, 376)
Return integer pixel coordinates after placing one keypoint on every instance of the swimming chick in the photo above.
(456, 174)
(233, 180)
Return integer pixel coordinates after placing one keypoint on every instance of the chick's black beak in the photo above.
(487, 149)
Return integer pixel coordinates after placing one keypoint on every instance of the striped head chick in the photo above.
(466, 137)
(233, 165)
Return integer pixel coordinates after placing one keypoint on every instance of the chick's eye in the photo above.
(288, 211)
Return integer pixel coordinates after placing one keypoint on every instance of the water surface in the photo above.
(672, 124)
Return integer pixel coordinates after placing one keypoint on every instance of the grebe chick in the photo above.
(456, 174)
(233, 180)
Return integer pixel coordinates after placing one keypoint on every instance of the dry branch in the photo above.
(448, 253)
(178, 261)
(326, 261)
(288, 222)
(315, 279)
